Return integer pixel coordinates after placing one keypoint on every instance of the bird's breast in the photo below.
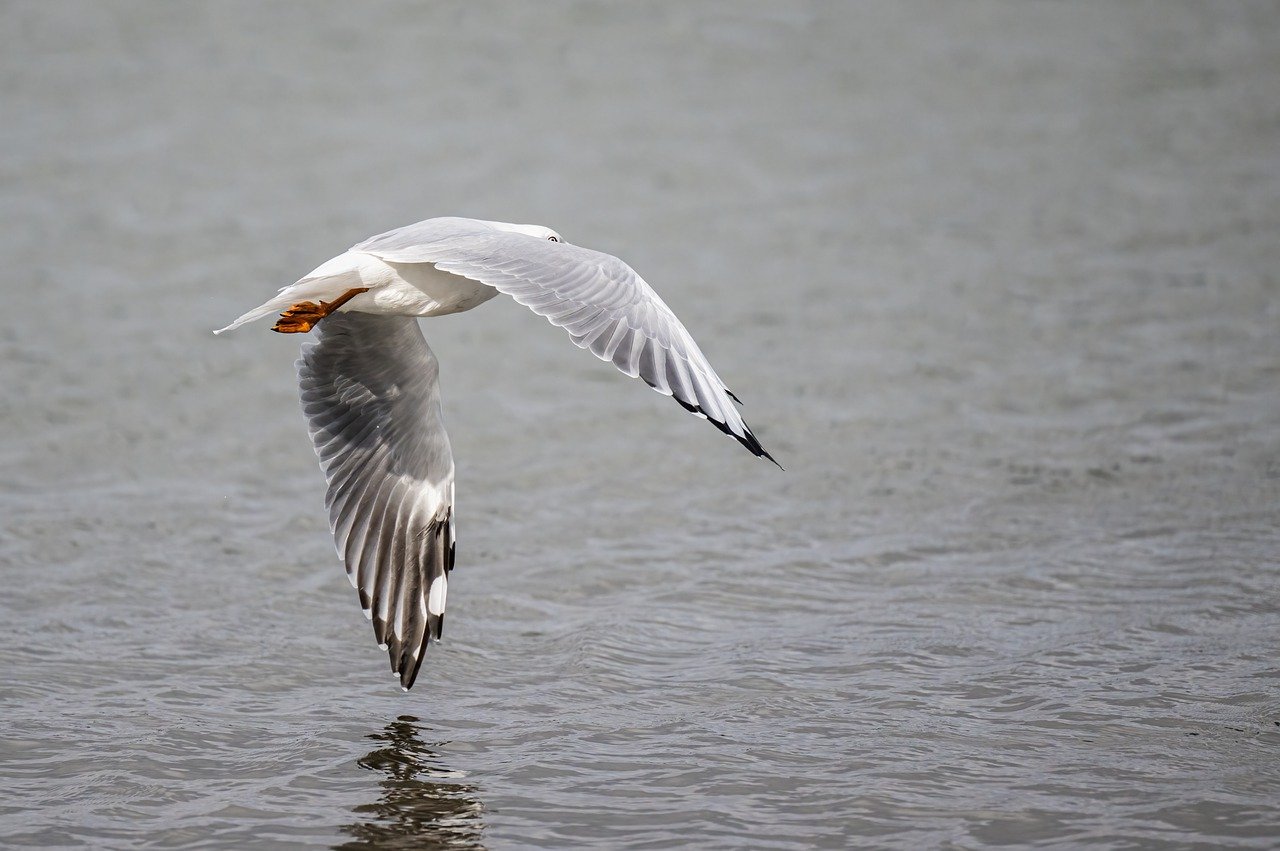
(416, 289)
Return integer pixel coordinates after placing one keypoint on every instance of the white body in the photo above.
(395, 288)
(371, 395)
(401, 289)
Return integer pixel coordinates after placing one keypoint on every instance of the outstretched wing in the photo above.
(603, 304)
(372, 400)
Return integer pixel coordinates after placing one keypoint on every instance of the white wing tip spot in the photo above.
(382, 646)
(436, 597)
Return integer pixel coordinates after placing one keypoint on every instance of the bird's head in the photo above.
(536, 231)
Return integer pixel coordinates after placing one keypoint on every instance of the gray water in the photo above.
(998, 282)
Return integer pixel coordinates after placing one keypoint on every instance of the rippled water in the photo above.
(997, 282)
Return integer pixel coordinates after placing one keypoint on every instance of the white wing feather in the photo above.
(371, 396)
(601, 301)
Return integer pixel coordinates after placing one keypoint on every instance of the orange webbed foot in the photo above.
(300, 318)
(304, 315)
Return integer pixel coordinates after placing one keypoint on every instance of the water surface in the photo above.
(996, 281)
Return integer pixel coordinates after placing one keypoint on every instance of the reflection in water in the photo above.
(423, 803)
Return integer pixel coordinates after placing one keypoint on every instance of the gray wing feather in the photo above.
(371, 396)
(599, 300)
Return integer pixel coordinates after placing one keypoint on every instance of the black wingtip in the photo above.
(764, 453)
(748, 440)
(758, 450)
(409, 666)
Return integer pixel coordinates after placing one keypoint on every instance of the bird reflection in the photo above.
(423, 803)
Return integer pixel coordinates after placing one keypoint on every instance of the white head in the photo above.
(537, 231)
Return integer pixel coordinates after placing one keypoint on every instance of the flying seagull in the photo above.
(371, 394)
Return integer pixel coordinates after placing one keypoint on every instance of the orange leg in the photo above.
(303, 316)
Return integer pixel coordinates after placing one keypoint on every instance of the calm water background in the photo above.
(998, 282)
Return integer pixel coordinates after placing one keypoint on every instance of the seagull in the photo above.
(371, 393)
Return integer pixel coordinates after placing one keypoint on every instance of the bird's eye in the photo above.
(554, 238)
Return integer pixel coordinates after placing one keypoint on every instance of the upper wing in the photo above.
(603, 304)
(372, 401)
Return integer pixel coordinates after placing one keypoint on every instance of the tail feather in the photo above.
(322, 288)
